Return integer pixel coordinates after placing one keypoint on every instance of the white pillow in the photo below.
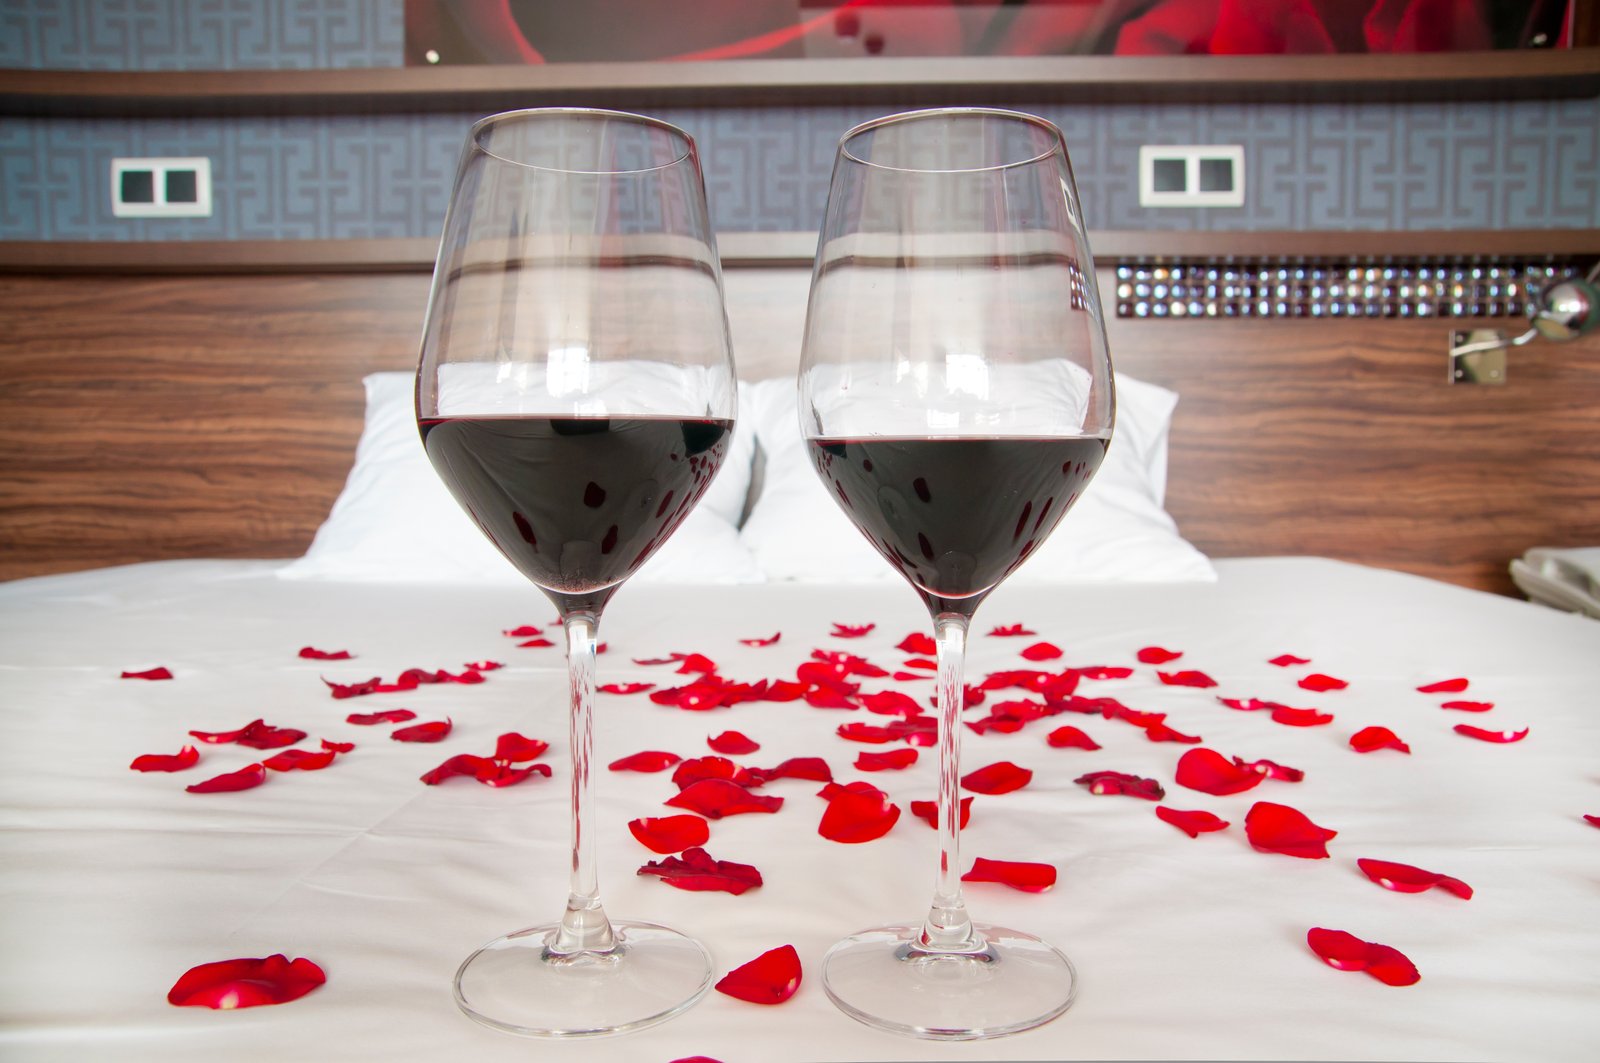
(1117, 532)
(396, 521)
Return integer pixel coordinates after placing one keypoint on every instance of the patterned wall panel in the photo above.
(201, 34)
(1530, 164)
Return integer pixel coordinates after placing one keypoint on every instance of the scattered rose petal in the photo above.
(1001, 777)
(670, 834)
(1444, 686)
(918, 644)
(852, 631)
(1018, 874)
(733, 742)
(830, 699)
(694, 664)
(1160, 732)
(300, 760)
(246, 778)
(1345, 952)
(187, 757)
(1070, 738)
(770, 978)
(482, 666)
(1212, 773)
(1318, 683)
(1404, 878)
(338, 747)
(1593, 821)
(1010, 631)
(388, 716)
(928, 812)
(891, 703)
(893, 760)
(715, 798)
(1114, 783)
(1483, 734)
(1369, 739)
(1041, 651)
(1156, 655)
(1193, 823)
(1468, 706)
(625, 688)
(256, 734)
(148, 673)
(696, 871)
(1293, 717)
(517, 748)
(814, 768)
(525, 631)
(857, 813)
(1275, 828)
(1271, 769)
(1284, 660)
(311, 653)
(694, 769)
(461, 764)
(923, 664)
(1105, 671)
(432, 731)
(1187, 678)
(535, 644)
(906, 677)
(246, 983)
(768, 641)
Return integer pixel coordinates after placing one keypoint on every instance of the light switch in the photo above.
(1191, 175)
(161, 188)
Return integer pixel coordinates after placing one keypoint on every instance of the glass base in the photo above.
(1015, 983)
(515, 984)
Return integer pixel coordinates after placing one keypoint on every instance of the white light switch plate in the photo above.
(158, 206)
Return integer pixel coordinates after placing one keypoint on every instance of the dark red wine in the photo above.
(577, 503)
(956, 516)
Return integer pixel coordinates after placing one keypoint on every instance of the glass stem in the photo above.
(584, 927)
(947, 928)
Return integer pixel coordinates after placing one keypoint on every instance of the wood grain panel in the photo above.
(216, 416)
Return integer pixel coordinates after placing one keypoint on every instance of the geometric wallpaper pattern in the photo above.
(1514, 164)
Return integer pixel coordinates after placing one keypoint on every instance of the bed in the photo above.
(117, 881)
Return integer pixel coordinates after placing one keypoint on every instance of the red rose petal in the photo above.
(1160, 732)
(535, 644)
(1010, 631)
(625, 688)
(432, 731)
(461, 764)
(918, 644)
(148, 673)
(1212, 773)
(1018, 874)
(928, 812)
(857, 813)
(694, 769)
(1284, 660)
(1319, 683)
(814, 768)
(1070, 738)
(187, 757)
(1041, 651)
(1346, 952)
(1156, 655)
(311, 653)
(770, 978)
(891, 703)
(500, 774)
(1593, 821)
(733, 742)
(525, 631)
(1193, 823)
(1293, 717)
(388, 716)
(1404, 878)
(517, 748)
(893, 760)
(1117, 783)
(1275, 828)
(1105, 671)
(246, 983)
(338, 747)
(246, 778)
(694, 664)
(482, 666)
(670, 834)
(1001, 777)
(1271, 769)
(768, 641)
(923, 664)
(1187, 678)
(1444, 686)
(872, 734)
(256, 734)
(715, 798)
(829, 699)
(1468, 706)
(696, 871)
(1483, 734)
(1369, 739)
(852, 631)
(300, 760)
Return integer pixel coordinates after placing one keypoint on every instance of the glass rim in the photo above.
(475, 137)
(1058, 145)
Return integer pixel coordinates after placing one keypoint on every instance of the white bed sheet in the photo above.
(112, 883)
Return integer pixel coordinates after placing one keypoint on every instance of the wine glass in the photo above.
(956, 396)
(576, 394)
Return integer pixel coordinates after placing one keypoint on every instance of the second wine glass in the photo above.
(956, 394)
(576, 394)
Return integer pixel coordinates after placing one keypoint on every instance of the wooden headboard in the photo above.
(161, 408)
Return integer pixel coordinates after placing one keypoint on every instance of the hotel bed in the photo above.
(115, 882)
